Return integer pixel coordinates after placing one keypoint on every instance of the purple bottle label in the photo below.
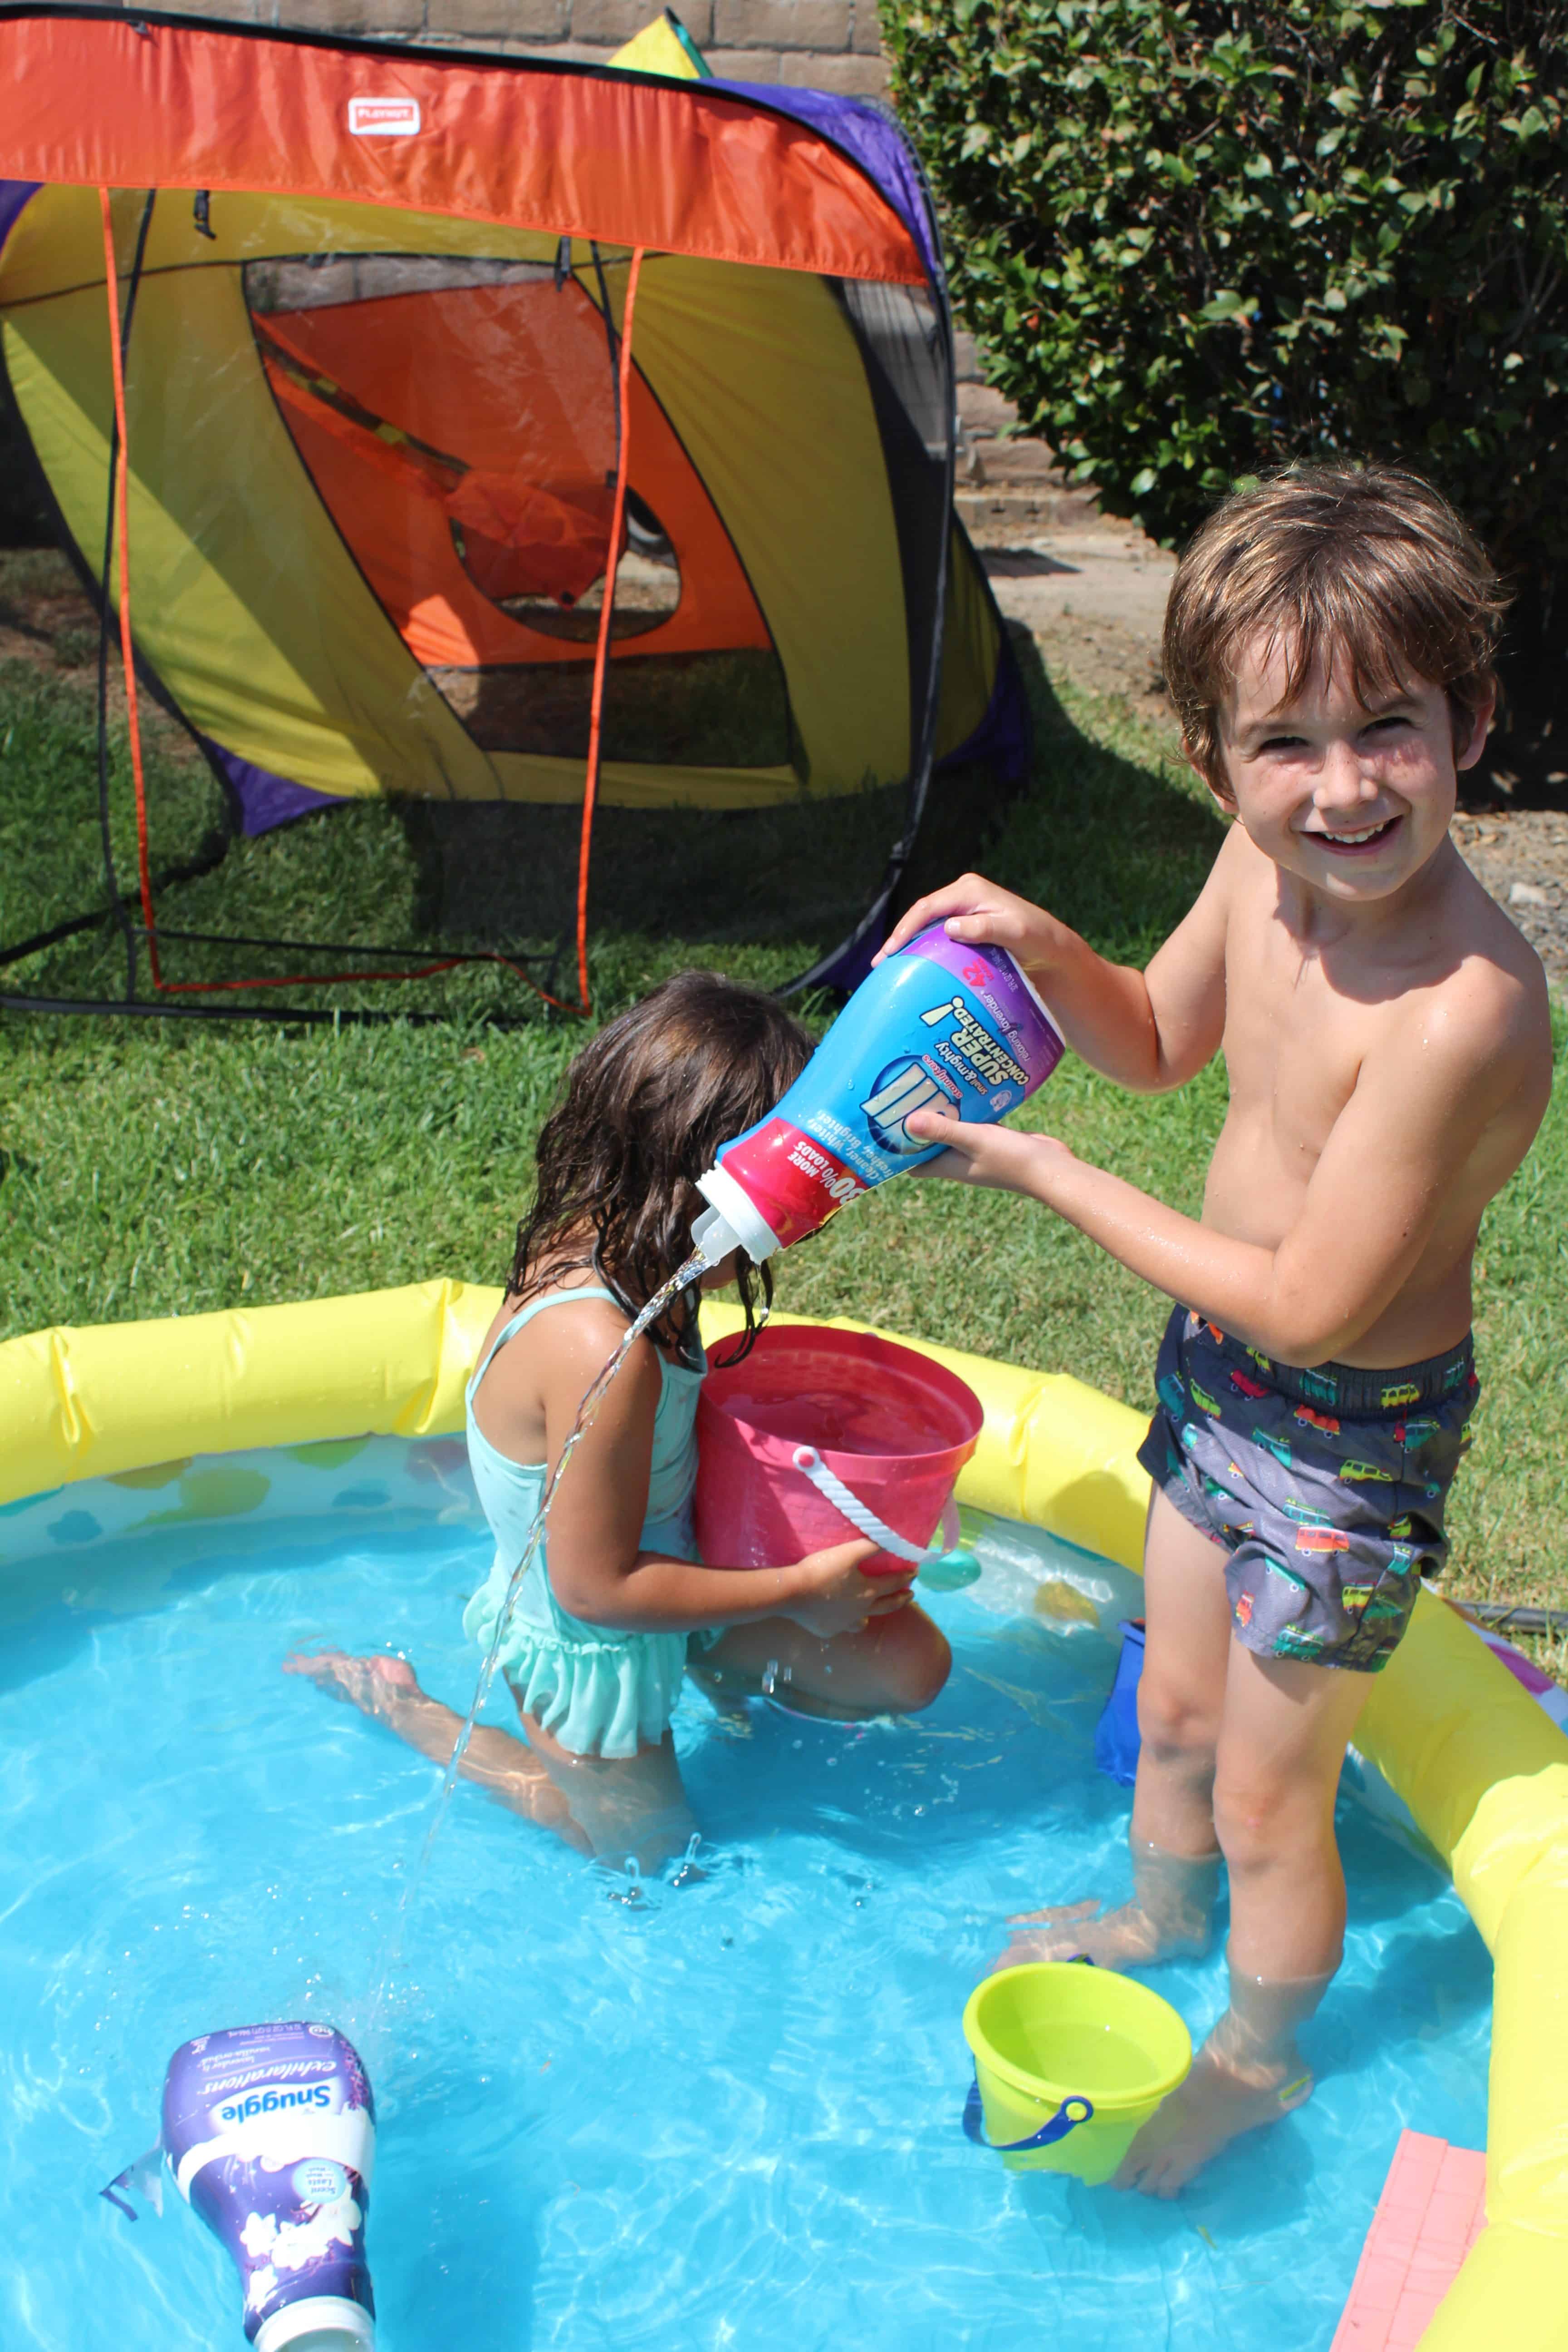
(270, 2132)
(996, 980)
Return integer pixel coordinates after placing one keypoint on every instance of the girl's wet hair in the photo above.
(645, 1108)
(1363, 569)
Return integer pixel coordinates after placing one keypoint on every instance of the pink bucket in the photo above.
(894, 1427)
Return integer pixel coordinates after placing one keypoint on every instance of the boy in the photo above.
(1328, 647)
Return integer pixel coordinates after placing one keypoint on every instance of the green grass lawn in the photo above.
(152, 1169)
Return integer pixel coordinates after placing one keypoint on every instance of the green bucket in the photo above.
(1070, 2062)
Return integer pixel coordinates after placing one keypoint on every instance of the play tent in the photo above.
(410, 342)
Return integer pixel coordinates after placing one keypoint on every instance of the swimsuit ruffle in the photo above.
(599, 1695)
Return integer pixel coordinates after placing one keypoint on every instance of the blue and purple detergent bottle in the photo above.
(941, 1025)
(268, 2132)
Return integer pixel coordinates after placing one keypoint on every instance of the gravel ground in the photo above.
(1521, 857)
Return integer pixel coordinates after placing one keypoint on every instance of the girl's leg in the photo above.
(387, 1690)
(1180, 1695)
(624, 1808)
(1281, 1749)
(894, 1665)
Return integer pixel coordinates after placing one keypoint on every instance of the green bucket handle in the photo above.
(1059, 2126)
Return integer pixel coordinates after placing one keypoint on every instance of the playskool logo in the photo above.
(271, 2102)
(383, 118)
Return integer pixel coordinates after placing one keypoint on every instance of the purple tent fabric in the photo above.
(13, 195)
(1002, 741)
(265, 800)
(872, 138)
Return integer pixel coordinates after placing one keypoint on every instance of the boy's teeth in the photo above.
(1365, 835)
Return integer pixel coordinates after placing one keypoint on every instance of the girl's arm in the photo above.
(1148, 1030)
(597, 1568)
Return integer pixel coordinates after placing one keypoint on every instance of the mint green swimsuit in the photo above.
(600, 1693)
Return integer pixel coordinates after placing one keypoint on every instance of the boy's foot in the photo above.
(376, 1685)
(1214, 2106)
(1168, 1918)
(1126, 1938)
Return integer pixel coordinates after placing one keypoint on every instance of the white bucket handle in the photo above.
(810, 1464)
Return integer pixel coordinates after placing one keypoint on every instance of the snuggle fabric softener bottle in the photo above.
(270, 2134)
(940, 1026)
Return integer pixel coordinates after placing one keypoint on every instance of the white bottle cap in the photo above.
(732, 1222)
(318, 2323)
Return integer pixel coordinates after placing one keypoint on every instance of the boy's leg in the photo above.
(895, 1664)
(387, 1690)
(1281, 1745)
(1181, 1695)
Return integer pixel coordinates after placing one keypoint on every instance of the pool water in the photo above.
(725, 2113)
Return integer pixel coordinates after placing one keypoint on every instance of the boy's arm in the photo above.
(1420, 1104)
(1148, 1030)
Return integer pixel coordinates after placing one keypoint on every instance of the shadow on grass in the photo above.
(1113, 835)
(1105, 834)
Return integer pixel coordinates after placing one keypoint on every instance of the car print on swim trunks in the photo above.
(1311, 1419)
(1365, 1601)
(1357, 1473)
(1291, 1642)
(1304, 1515)
(1204, 1403)
(1244, 1385)
(1414, 1432)
(1401, 1392)
(1172, 1394)
(1275, 1445)
(1286, 1575)
(1322, 1540)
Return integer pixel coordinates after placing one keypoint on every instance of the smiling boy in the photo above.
(1329, 649)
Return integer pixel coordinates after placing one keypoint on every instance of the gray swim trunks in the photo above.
(1326, 1487)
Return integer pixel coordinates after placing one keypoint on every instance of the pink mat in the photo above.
(1430, 2213)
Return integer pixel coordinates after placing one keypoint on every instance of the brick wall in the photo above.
(829, 44)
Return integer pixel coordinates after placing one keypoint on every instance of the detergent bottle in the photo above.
(268, 2132)
(940, 1026)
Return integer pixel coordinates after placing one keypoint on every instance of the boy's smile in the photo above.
(1354, 800)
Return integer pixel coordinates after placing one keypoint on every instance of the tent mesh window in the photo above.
(500, 577)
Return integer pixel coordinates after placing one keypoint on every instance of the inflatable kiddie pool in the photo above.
(168, 1418)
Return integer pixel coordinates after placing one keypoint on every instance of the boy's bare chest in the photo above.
(1294, 1041)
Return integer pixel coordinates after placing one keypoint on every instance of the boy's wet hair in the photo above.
(1367, 566)
(644, 1110)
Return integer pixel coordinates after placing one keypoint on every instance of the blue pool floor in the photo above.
(724, 2114)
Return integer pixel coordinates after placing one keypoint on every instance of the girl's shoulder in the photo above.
(556, 1316)
(537, 1364)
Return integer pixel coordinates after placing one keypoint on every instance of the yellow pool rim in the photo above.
(1481, 1768)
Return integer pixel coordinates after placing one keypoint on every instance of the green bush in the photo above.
(1198, 240)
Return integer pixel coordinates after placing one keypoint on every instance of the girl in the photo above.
(616, 1604)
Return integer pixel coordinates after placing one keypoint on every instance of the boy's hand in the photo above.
(976, 910)
(997, 1157)
(837, 1593)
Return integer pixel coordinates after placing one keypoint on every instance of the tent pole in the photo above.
(121, 505)
(120, 336)
(606, 610)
